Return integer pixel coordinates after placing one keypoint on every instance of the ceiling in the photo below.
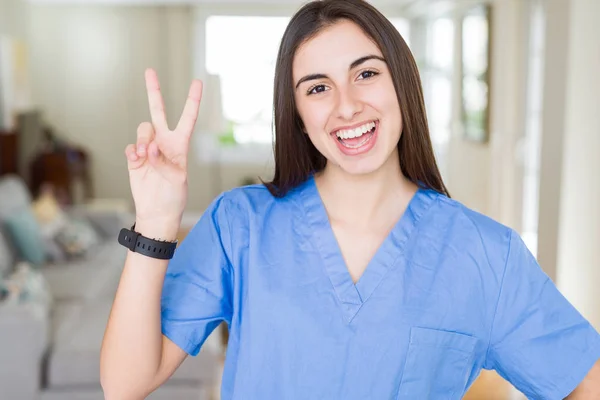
(167, 2)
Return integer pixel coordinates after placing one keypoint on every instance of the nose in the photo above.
(348, 105)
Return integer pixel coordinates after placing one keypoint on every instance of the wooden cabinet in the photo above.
(67, 170)
(9, 155)
(66, 167)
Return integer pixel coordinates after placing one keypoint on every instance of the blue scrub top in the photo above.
(449, 292)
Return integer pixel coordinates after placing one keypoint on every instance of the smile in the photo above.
(356, 132)
(357, 140)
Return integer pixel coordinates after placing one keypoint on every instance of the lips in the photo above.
(357, 140)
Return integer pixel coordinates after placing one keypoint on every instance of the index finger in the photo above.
(155, 101)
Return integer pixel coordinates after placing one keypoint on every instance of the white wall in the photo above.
(88, 67)
(579, 234)
(553, 129)
(510, 22)
(13, 18)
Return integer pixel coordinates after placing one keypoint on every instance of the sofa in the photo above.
(50, 346)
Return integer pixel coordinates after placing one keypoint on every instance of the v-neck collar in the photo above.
(352, 296)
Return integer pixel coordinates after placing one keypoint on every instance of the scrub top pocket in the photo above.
(438, 365)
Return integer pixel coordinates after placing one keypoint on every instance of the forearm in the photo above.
(132, 346)
(589, 388)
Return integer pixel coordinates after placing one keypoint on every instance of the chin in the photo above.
(365, 166)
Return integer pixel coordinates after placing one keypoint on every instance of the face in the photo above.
(346, 98)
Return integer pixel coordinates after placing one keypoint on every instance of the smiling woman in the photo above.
(352, 275)
(358, 66)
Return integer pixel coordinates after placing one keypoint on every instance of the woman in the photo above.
(352, 275)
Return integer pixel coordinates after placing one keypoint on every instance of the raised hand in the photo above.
(157, 163)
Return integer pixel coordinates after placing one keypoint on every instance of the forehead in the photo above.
(334, 47)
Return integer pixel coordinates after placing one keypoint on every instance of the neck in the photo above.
(364, 198)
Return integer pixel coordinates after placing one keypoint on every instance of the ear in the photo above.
(303, 128)
(300, 124)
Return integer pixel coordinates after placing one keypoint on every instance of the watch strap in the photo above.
(135, 242)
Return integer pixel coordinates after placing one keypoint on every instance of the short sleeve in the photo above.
(197, 290)
(539, 341)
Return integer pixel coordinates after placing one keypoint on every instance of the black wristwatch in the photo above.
(134, 241)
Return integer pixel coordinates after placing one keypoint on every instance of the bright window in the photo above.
(243, 51)
(437, 72)
(403, 26)
(531, 178)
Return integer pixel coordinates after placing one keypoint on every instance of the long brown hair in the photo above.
(295, 155)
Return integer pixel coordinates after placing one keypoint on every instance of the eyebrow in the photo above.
(353, 65)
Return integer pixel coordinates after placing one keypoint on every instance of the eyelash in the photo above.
(373, 73)
(310, 91)
(369, 71)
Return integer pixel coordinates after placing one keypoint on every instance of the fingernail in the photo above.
(142, 149)
(155, 151)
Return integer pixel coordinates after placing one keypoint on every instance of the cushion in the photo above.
(46, 208)
(25, 233)
(54, 253)
(65, 236)
(51, 226)
(77, 237)
(7, 254)
(25, 286)
(14, 195)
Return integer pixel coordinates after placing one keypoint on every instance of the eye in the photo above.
(316, 89)
(367, 74)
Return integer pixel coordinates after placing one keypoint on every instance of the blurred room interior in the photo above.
(512, 90)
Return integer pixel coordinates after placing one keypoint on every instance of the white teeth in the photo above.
(357, 132)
